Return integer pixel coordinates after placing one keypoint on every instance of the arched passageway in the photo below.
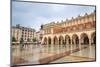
(49, 40)
(84, 39)
(75, 39)
(67, 39)
(55, 40)
(61, 40)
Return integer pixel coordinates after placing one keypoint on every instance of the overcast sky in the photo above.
(34, 14)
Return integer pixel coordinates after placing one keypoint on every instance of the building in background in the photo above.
(16, 34)
(25, 33)
(38, 36)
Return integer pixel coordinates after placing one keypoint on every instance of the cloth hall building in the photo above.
(75, 31)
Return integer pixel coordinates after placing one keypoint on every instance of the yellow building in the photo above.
(38, 35)
(78, 31)
(27, 34)
(16, 33)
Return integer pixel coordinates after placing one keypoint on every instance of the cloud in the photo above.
(35, 14)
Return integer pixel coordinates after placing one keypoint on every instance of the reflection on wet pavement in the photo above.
(87, 54)
(33, 54)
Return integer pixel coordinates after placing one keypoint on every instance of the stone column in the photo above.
(67, 45)
(47, 45)
(80, 47)
(90, 41)
(71, 48)
(80, 43)
(52, 45)
(60, 43)
(57, 42)
(58, 47)
(74, 44)
(90, 47)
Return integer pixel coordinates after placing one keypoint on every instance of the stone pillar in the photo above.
(47, 46)
(67, 45)
(90, 47)
(80, 46)
(67, 42)
(47, 41)
(56, 43)
(90, 41)
(74, 44)
(52, 45)
(61, 44)
(80, 43)
(58, 46)
(71, 48)
(90, 51)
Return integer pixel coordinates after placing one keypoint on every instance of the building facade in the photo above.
(78, 31)
(38, 36)
(18, 32)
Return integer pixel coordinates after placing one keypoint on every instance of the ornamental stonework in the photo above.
(80, 23)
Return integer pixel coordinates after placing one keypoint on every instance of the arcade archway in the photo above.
(55, 40)
(61, 40)
(75, 40)
(84, 39)
(67, 39)
(49, 40)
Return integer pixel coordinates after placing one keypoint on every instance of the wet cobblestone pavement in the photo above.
(37, 54)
